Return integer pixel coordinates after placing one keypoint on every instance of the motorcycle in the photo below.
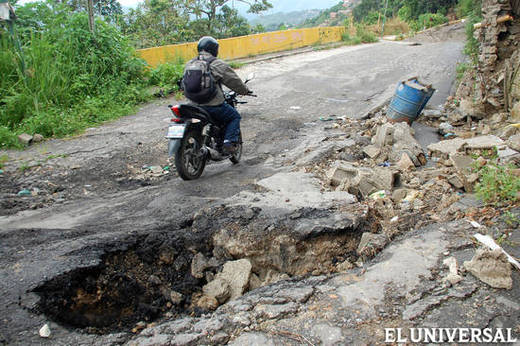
(194, 137)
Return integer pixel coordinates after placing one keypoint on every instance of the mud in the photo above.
(126, 288)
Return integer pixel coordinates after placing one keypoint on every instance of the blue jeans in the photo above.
(228, 116)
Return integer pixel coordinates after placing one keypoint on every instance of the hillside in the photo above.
(273, 21)
(334, 15)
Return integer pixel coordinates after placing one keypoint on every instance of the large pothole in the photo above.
(154, 277)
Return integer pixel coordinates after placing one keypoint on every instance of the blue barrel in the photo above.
(409, 100)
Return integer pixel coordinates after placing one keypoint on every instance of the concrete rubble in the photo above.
(492, 267)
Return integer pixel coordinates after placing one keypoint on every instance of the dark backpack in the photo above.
(198, 82)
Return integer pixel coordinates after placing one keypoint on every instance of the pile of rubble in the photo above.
(494, 87)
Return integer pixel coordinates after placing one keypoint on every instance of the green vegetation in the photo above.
(73, 78)
(498, 185)
(236, 64)
(66, 78)
(363, 35)
(168, 75)
(472, 9)
(3, 159)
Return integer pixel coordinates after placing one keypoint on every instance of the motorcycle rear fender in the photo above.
(175, 144)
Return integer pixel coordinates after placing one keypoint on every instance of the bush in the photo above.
(363, 35)
(428, 20)
(168, 75)
(73, 78)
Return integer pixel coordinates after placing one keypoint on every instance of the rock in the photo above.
(209, 325)
(296, 294)
(254, 282)
(237, 274)
(252, 339)
(372, 151)
(207, 303)
(220, 338)
(362, 180)
(371, 243)
(275, 311)
(200, 263)
(45, 331)
(218, 289)
(399, 194)
(453, 277)
(344, 266)
(515, 111)
(154, 280)
(462, 163)
(514, 142)
(25, 138)
(445, 128)
(183, 339)
(505, 154)
(328, 335)
(175, 297)
(456, 182)
(37, 138)
(155, 340)
(384, 135)
(342, 172)
(508, 131)
(469, 109)
(405, 163)
(273, 276)
(491, 267)
(483, 142)
(432, 113)
(447, 147)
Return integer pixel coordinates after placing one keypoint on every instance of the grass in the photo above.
(236, 64)
(3, 159)
(461, 69)
(73, 78)
(498, 185)
(359, 34)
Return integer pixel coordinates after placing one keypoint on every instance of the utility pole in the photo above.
(91, 24)
(7, 14)
(384, 19)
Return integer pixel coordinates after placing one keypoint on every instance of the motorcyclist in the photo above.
(217, 107)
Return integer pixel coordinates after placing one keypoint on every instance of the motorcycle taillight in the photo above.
(176, 110)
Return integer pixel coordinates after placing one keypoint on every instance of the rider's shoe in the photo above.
(229, 148)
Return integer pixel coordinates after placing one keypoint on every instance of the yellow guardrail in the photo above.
(245, 46)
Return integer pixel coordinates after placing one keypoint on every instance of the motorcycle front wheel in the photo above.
(190, 160)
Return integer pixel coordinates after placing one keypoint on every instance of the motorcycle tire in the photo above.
(189, 159)
(235, 158)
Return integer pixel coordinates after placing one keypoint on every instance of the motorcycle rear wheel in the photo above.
(190, 160)
(235, 158)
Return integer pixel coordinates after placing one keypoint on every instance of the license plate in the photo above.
(176, 131)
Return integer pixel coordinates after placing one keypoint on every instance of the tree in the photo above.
(210, 9)
(230, 24)
(157, 22)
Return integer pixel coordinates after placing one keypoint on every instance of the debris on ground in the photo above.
(491, 267)
(45, 331)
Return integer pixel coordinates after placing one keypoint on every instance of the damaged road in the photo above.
(111, 247)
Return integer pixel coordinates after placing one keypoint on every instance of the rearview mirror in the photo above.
(250, 77)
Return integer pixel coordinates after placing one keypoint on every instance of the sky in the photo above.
(278, 5)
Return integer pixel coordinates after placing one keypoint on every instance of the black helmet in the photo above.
(208, 44)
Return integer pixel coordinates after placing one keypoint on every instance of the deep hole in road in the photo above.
(153, 277)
